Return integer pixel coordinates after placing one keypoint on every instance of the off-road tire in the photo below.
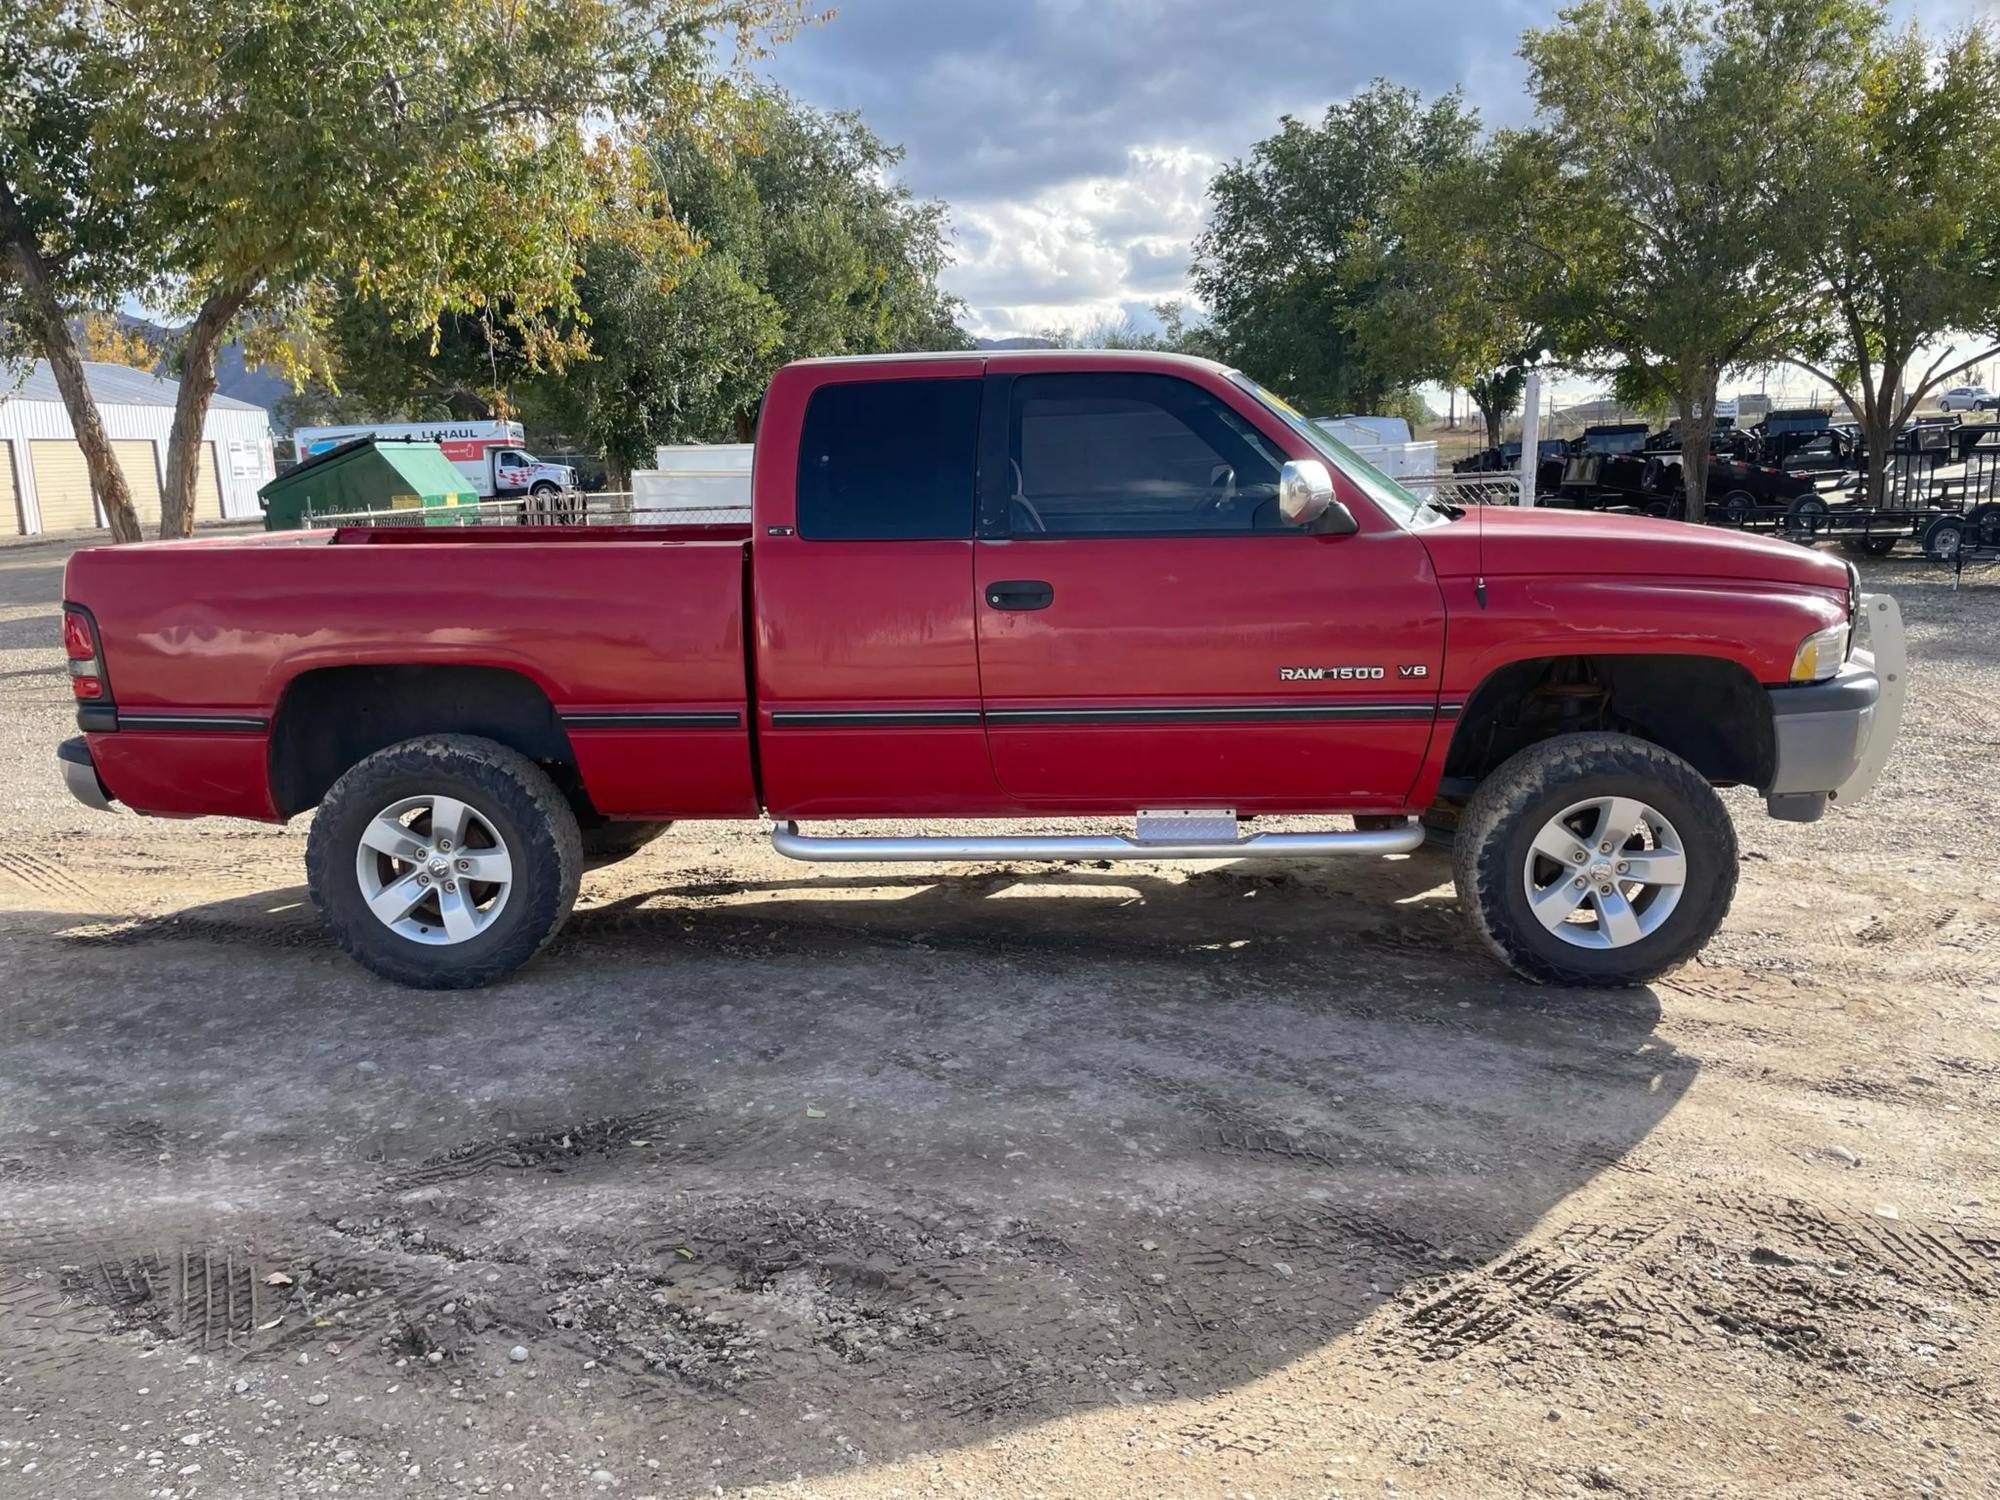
(1511, 806)
(608, 843)
(504, 787)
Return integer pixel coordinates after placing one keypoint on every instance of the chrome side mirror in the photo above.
(1305, 491)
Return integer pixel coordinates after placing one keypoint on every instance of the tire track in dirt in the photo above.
(41, 878)
(552, 1149)
(1803, 1280)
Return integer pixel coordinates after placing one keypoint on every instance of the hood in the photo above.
(1499, 541)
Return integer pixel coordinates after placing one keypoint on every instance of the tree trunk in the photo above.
(1878, 434)
(41, 313)
(1695, 432)
(617, 475)
(1493, 417)
(204, 339)
(746, 425)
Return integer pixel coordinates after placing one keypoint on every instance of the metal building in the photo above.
(44, 485)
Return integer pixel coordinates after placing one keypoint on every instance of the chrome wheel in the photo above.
(1605, 873)
(433, 870)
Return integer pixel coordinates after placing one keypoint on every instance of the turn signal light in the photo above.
(1820, 654)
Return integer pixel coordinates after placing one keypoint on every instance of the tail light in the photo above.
(86, 661)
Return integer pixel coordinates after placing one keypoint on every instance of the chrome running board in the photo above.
(1405, 838)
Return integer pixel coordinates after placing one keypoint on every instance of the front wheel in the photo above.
(1595, 859)
(444, 862)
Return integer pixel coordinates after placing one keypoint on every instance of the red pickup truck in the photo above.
(980, 586)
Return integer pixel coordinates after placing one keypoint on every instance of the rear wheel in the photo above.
(444, 862)
(1595, 859)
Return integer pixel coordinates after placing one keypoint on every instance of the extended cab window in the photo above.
(1135, 455)
(889, 460)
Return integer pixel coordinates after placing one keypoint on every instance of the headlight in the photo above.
(1821, 653)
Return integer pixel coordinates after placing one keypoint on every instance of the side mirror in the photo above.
(1305, 492)
(1335, 520)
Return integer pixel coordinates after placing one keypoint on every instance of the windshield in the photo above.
(1399, 503)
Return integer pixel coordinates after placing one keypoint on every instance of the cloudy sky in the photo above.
(1074, 139)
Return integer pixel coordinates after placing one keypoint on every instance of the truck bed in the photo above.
(633, 635)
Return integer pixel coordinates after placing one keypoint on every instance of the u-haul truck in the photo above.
(490, 454)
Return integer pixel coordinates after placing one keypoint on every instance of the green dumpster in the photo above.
(368, 474)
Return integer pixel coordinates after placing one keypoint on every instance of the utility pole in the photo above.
(1531, 435)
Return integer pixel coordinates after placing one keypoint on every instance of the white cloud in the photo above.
(1074, 139)
(1076, 252)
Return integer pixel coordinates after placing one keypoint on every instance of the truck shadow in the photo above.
(932, 1157)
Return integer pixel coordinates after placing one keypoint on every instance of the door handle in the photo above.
(1020, 593)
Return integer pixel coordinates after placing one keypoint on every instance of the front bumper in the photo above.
(79, 773)
(1834, 737)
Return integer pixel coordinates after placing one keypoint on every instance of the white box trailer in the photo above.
(493, 455)
(692, 477)
(1384, 442)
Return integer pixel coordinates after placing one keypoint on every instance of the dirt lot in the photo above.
(1102, 1182)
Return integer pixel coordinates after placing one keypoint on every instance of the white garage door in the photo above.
(142, 477)
(207, 487)
(62, 485)
(10, 498)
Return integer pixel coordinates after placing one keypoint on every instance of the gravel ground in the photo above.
(1156, 1180)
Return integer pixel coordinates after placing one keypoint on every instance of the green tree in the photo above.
(1453, 291)
(1676, 136)
(676, 351)
(1899, 231)
(448, 155)
(790, 241)
(1275, 264)
(68, 216)
(810, 214)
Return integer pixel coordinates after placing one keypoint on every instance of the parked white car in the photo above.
(1968, 398)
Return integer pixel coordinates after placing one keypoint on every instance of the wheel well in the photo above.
(333, 717)
(1712, 713)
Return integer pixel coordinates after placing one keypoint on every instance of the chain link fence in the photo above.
(1465, 489)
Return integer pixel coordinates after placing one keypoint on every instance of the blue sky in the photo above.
(1074, 139)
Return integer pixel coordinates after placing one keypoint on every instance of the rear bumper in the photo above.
(79, 773)
(1834, 737)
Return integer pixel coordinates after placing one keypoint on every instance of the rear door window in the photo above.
(889, 460)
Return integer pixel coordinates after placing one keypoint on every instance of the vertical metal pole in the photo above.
(1531, 435)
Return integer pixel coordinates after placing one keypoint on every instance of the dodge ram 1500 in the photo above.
(1011, 586)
